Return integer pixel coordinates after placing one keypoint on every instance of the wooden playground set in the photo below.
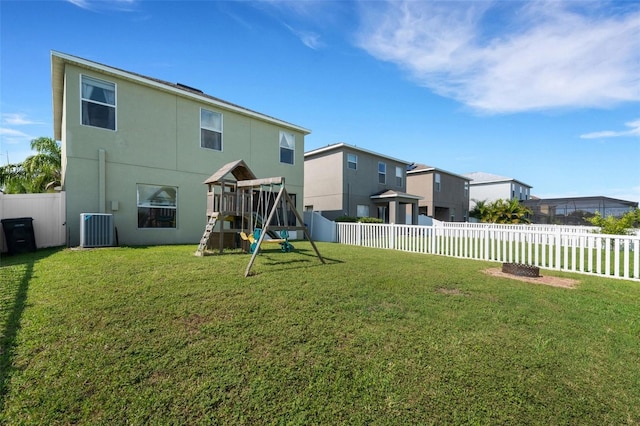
(246, 212)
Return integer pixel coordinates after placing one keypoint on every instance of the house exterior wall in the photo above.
(157, 142)
(450, 204)
(422, 184)
(336, 190)
(323, 186)
(492, 191)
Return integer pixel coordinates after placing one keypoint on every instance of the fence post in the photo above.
(558, 248)
(392, 233)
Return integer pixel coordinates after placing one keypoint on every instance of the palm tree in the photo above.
(37, 173)
(501, 211)
(480, 210)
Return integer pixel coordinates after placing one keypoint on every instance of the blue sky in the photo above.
(545, 92)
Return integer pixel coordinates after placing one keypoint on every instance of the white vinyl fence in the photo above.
(320, 228)
(46, 210)
(572, 249)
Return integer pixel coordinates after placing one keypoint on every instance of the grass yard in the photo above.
(157, 335)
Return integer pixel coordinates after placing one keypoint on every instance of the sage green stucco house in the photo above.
(140, 149)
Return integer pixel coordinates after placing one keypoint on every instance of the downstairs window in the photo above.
(157, 206)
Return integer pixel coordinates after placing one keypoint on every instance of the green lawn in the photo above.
(158, 335)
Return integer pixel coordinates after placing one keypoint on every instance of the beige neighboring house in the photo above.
(345, 180)
(140, 148)
(445, 195)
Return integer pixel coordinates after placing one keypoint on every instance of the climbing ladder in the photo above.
(207, 234)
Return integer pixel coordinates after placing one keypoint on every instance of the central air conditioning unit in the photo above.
(96, 230)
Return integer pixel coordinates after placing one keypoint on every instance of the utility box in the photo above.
(18, 233)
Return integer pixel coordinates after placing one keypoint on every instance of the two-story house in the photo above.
(140, 149)
(344, 180)
(445, 195)
(489, 187)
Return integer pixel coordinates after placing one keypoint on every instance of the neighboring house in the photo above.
(140, 148)
(445, 195)
(344, 180)
(489, 187)
(574, 210)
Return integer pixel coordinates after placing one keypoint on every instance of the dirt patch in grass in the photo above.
(552, 281)
(451, 291)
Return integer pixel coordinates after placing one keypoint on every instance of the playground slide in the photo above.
(258, 224)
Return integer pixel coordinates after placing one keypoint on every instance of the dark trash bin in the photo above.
(18, 233)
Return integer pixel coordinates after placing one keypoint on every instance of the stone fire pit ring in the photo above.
(521, 270)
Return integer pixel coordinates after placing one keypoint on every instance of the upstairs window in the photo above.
(399, 174)
(98, 103)
(466, 189)
(382, 173)
(352, 161)
(287, 147)
(210, 129)
(437, 182)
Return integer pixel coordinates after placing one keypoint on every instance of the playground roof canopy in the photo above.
(238, 169)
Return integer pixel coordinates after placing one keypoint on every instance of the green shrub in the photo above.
(615, 225)
(345, 219)
(369, 220)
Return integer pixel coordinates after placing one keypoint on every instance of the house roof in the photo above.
(389, 193)
(417, 168)
(59, 60)
(345, 146)
(582, 201)
(479, 178)
(238, 169)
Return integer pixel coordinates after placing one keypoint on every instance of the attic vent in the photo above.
(193, 89)
(96, 230)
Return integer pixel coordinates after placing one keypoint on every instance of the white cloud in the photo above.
(12, 133)
(96, 5)
(634, 130)
(308, 38)
(507, 57)
(17, 119)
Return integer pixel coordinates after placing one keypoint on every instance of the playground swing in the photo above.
(265, 199)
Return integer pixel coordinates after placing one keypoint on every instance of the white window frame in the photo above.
(382, 172)
(352, 159)
(399, 176)
(437, 182)
(148, 205)
(211, 129)
(83, 78)
(289, 144)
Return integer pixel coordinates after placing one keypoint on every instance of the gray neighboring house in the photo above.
(445, 195)
(489, 187)
(344, 180)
